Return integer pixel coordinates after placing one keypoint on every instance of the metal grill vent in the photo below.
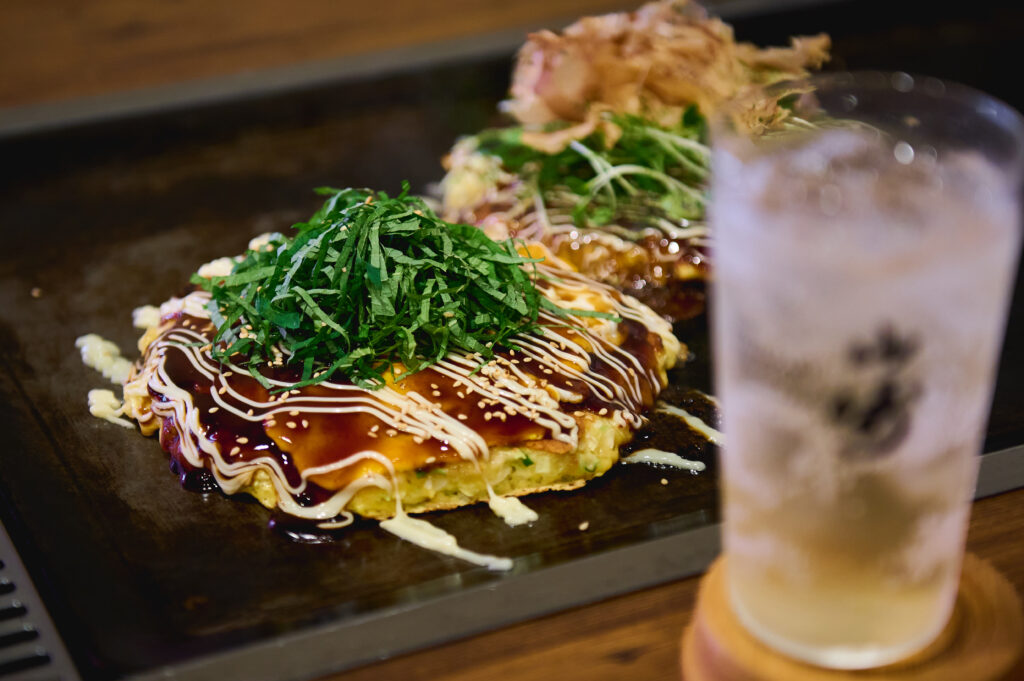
(20, 648)
(30, 649)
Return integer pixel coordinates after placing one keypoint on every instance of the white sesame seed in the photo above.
(291, 424)
(584, 525)
(242, 440)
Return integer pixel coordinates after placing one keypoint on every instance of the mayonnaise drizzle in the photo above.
(145, 317)
(502, 381)
(221, 267)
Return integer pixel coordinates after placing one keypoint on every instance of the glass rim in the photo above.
(986, 105)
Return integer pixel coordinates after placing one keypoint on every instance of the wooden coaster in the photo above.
(982, 641)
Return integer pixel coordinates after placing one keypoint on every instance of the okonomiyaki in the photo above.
(382, 361)
(607, 159)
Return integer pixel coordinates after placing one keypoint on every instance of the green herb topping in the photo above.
(369, 282)
(649, 172)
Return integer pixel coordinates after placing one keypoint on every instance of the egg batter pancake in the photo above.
(548, 413)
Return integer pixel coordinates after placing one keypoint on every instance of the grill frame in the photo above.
(31, 649)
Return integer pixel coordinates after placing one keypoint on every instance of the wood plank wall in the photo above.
(54, 50)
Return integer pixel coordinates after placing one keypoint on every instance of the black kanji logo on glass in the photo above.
(876, 407)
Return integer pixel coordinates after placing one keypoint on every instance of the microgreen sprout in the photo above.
(651, 173)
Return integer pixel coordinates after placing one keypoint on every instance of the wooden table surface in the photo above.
(637, 636)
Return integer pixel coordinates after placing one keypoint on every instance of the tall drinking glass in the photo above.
(866, 239)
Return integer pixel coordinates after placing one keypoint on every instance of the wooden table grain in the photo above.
(637, 636)
(65, 49)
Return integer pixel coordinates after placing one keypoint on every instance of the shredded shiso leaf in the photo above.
(371, 287)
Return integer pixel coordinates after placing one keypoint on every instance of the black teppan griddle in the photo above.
(143, 580)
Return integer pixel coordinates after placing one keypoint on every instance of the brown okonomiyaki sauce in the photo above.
(668, 275)
(302, 438)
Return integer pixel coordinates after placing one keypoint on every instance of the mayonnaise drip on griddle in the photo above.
(713, 436)
(433, 538)
(103, 356)
(511, 509)
(103, 404)
(661, 457)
